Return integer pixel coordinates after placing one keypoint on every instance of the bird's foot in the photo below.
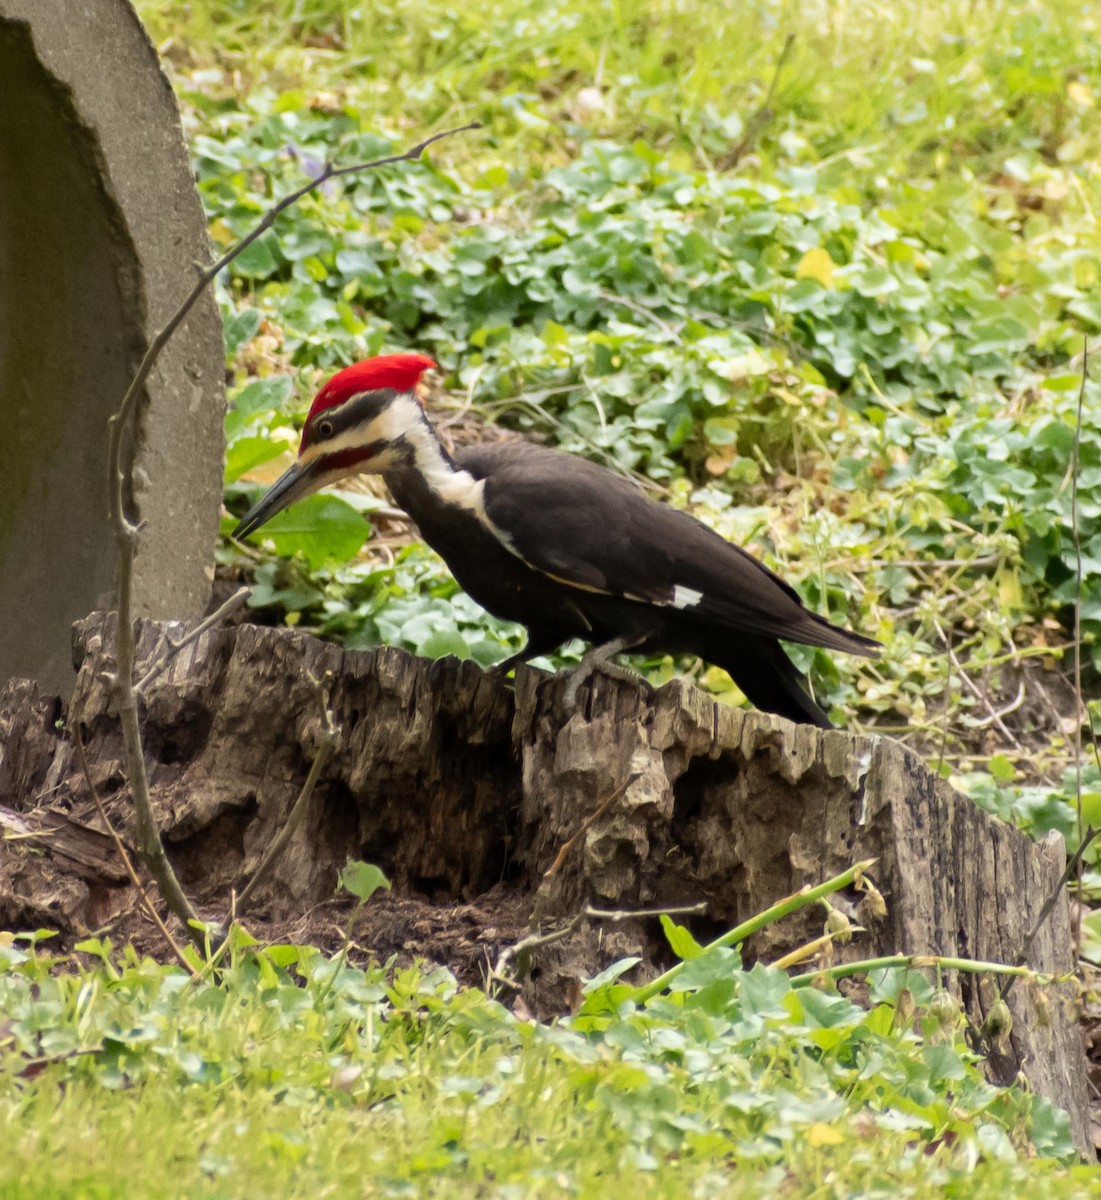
(597, 659)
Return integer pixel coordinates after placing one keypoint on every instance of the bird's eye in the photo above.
(325, 429)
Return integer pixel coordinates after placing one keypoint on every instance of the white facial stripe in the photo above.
(445, 480)
(403, 420)
(398, 418)
(686, 597)
(402, 416)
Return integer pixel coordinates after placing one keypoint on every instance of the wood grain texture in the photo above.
(456, 786)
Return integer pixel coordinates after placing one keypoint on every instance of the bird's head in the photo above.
(356, 424)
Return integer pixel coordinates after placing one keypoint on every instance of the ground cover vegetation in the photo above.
(819, 272)
(133, 1079)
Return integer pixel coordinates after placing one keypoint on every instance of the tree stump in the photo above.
(465, 792)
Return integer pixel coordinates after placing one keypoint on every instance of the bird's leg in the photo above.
(598, 657)
(539, 642)
(507, 664)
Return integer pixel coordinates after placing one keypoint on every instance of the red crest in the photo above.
(401, 372)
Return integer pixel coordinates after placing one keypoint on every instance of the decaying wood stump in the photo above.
(465, 792)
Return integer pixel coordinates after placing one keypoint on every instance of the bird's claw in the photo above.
(584, 672)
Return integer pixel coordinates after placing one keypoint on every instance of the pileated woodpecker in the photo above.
(559, 544)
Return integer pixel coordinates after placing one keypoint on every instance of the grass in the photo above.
(307, 1076)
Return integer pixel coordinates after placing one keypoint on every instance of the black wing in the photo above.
(585, 526)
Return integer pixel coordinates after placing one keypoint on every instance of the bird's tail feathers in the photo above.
(769, 679)
(817, 631)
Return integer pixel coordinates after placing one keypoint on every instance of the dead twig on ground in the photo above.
(595, 815)
(1080, 708)
(172, 647)
(994, 717)
(295, 817)
(757, 123)
(501, 977)
(1072, 871)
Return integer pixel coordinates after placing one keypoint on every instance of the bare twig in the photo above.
(126, 701)
(172, 647)
(82, 759)
(1079, 706)
(1072, 871)
(642, 311)
(995, 718)
(297, 814)
(595, 815)
(501, 974)
(1085, 836)
(127, 525)
(207, 274)
(946, 716)
(764, 114)
(1011, 707)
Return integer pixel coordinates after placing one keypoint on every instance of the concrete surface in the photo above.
(100, 224)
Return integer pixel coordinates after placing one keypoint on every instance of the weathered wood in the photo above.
(92, 854)
(740, 810)
(455, 785)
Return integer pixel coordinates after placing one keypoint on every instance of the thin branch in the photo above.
(595, 815)
(946, 716)
(127, 527)
(617, 915)
(1011, 707)
(642, 311)
(297, 814)
(207, 274)
(82, 759)
(1085, 836)
(973, 687)
(501, 974)
(1073, 866)
(756, 123)
(172, 647)
(1080, 707)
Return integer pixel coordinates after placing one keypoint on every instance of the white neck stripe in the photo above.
(442, 477)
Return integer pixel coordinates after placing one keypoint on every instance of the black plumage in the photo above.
(558, 544)
(573, 550)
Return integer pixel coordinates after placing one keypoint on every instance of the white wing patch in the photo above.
(686, 597)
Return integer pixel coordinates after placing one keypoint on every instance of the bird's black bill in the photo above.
(295, 483)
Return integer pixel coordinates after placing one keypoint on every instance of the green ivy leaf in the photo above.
(258, 261)
(260, 396)
(247, 453)
(363, 880)
(239, 329)
(444, 643)
(680, 940)
(322, 528)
